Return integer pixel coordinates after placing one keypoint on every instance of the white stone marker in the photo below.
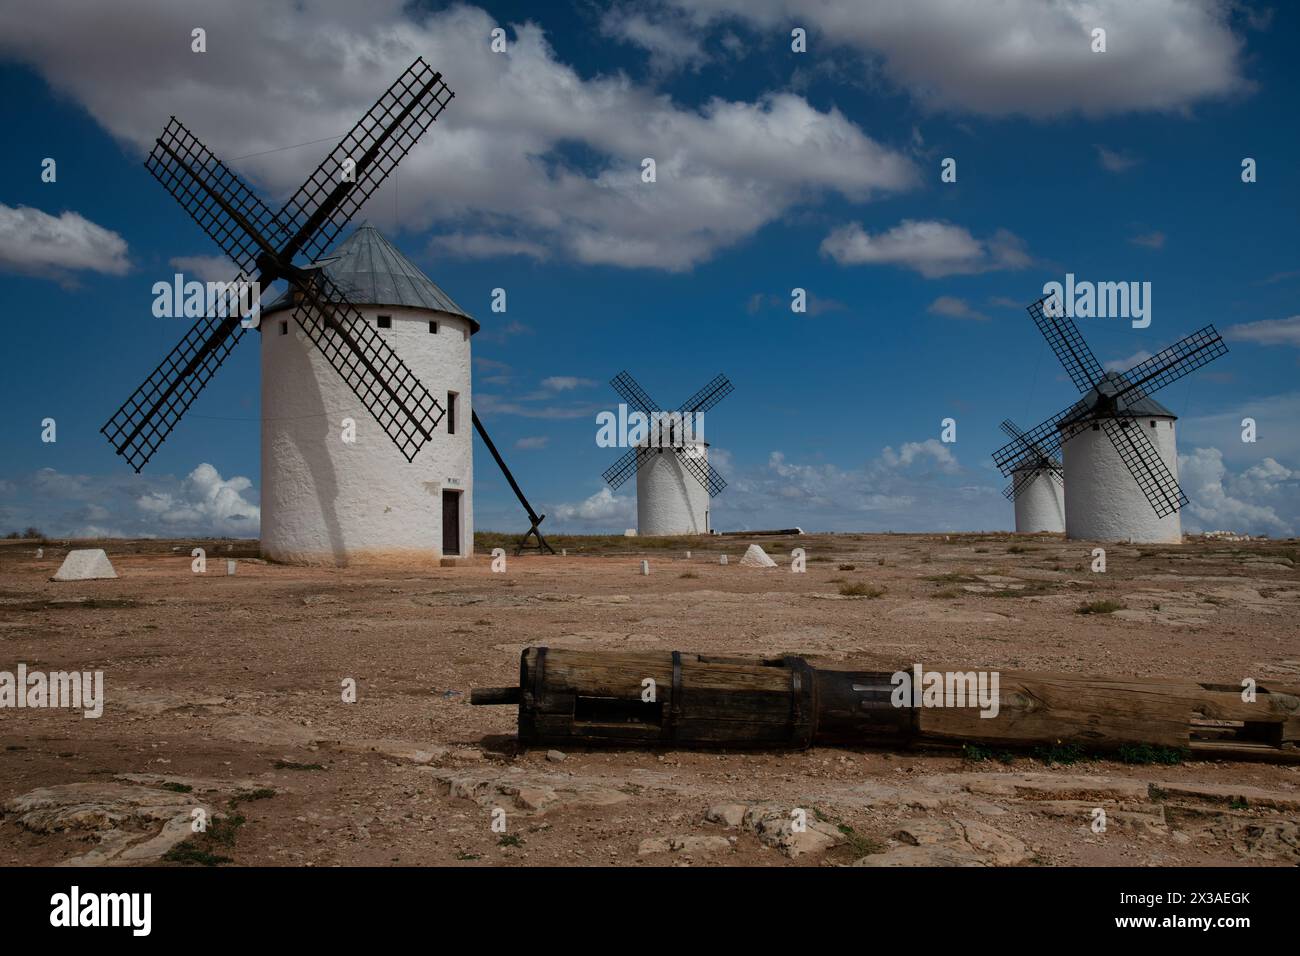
(85, 566)
(645, 567)
(756, 557)
(722, 560)
(230, 567)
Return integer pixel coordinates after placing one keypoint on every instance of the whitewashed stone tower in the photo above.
(1040, 503)
(1103, 501)
(327, 500)
(669, 499)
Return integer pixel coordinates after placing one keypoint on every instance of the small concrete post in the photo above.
(645, 567)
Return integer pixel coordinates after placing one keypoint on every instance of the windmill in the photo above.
(265, 244)
(1036, 486)
(672, 490)
(362, 324)
(1117, 442)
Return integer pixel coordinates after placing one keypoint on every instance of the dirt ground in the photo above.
(224, 696)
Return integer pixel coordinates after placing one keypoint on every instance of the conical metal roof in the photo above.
(1099, 401)
(371, 271)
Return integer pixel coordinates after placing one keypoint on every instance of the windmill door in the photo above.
(450, 522)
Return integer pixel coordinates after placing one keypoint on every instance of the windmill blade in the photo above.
(1200, 348)
(709, 395)
(1047, 437)
(1057, 475)
(1031, 449)
(704, 473)
(624, 468)
(1009, 492)
(631, 392)
(221, 203)
(385, 385)
(1145, 464)
(1071, 350)
(326, 201)
(146, 418)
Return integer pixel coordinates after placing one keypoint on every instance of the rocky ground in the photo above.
(224, 697)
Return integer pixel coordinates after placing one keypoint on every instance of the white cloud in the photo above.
(531, 156)
(913, 452)
(147, 506)
(1266, 332)
(33, 242)
(920, 487)
(1124, 364)
(204, 500)
(1248, 502)
(602, 511)
(564, 383)
(932, 248)
(955, 308)
(1027, 57)
(533, 442)
(672, 42)
(1114, 161)
(482, 245)
(205, 268)
(1151, 240)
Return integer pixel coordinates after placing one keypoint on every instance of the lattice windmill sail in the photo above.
(674, 480)
(1117, 442)
(1036, 486)
(264, 245)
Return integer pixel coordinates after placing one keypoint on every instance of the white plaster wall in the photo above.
(669, 499)
(327, 502)
(1103, 501)
(1040, 506)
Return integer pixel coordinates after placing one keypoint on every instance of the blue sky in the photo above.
(1115, 166)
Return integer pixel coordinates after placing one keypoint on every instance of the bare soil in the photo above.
(224, 693)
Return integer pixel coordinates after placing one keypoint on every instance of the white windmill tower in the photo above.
(674, 481)
(1037, 487)
(334, 489)
(1120, 458)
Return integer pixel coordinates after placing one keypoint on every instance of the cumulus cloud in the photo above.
(532, 156)
(919, 487)
(1124, 364)
(672, 41)
(203, 503)
(1267, 332)
(954, 308)
(35, 243)
(205, 268)
(1151, 240)
(1115, 161)
(1021, 57)
(1262, 499)
(533, 442)
(932, 248)
(603, 511)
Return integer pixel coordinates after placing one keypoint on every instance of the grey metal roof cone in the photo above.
(371, 271)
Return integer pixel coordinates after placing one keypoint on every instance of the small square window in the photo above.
(433, 328)
(1153, 423)
(384, 321)
(284, 328)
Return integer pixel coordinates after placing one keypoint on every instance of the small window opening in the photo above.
(433, 328)
(384, 321)
(1153, 423)
(451, 413)
(284, 328)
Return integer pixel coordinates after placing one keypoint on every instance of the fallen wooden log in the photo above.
(697, 700)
